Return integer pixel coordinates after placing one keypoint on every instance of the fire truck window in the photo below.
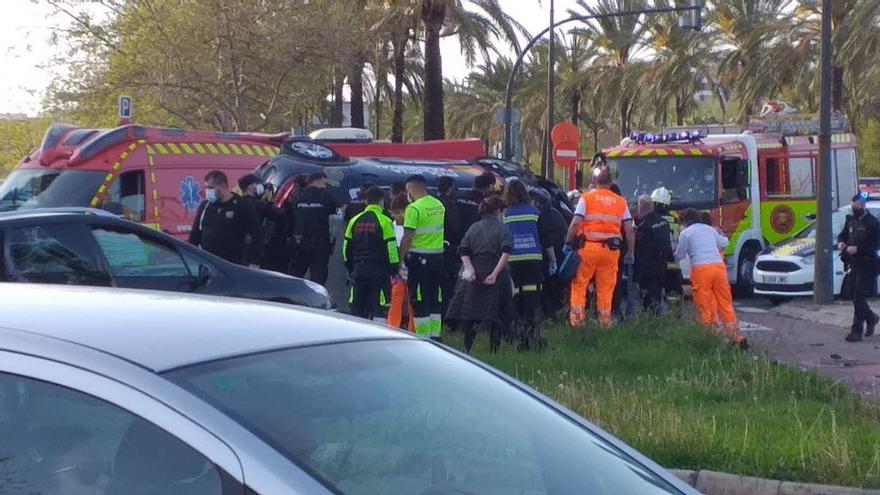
(734, 184)
(775, 172)
(801, 178)
(127, 196)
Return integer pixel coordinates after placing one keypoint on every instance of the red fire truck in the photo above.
(759, 184)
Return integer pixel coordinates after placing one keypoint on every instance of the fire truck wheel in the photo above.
(745, 282)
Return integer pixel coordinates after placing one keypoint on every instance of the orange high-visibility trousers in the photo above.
(399, 298)
(713, 299)
(598, 264)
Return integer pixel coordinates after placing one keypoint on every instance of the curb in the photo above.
(816, 314)
(715, 483)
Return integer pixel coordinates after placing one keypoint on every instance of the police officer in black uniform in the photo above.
(858, 243)
(226, 225)
(552, 229)
(653, 249)
(310, 220)
(272, 221)
(469, 201)
(452, 232)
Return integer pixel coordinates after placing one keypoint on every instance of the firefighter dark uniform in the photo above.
(674, 282)
(527, 270)
(468, 203)
(452, 235)
(273, 225)
(861, 230)
(425, 263)
(230, 230)
(552, 228)
(370, 253)
(653, 250)
(310, 222)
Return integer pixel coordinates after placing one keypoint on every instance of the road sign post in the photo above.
(124, 110)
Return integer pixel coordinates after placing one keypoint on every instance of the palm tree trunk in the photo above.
(575, 107)
(399, 74)
(837, 88)
(338, 84)
(679, 111)
(624, 118)
(433, 14)
(381, 83)
(356, 83)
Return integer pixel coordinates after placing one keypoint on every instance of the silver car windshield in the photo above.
(406, 417)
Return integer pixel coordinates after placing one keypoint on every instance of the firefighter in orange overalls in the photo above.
(595, 233)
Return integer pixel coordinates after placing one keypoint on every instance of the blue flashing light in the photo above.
(650, 138)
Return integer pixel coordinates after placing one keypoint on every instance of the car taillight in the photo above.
(285, 192)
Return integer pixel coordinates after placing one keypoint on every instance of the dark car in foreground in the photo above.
(93, 247)
(193, 397)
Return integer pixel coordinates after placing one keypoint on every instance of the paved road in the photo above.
(812, 345)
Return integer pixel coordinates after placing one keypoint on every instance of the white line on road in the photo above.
(747, 326)
(750, 309)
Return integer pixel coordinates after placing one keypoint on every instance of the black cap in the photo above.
(862, 196)
(316, 176)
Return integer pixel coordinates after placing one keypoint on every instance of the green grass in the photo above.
(687, 401)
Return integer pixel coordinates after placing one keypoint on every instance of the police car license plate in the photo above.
(775, 280)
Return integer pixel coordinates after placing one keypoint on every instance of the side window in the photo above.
(734, 180)
(57, 440)
(51, 253)
(775, 173)
(801, 178)
(127, 196)
(130, 255)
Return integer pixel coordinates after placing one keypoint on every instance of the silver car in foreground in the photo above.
(109, 391)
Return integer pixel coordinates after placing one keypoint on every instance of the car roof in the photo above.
(161, 331)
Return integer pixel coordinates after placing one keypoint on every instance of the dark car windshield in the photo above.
(403, 416)
(838, 218)
(39, 188)
(692, 181)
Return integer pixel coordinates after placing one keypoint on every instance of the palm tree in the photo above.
(617, 40)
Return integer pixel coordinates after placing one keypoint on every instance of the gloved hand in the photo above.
(568, 248)
(629, 260)
(404, 272)
(553, 268)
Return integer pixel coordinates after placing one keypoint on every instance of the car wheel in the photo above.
(745, 279)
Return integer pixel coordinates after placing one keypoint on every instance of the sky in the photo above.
(26, 52)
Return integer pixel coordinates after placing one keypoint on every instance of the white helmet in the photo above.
(574, 195)
(662, 196)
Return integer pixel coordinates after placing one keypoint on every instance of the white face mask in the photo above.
(259, 189)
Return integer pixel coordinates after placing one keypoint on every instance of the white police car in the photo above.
(786, 270)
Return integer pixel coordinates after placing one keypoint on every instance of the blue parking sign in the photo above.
(125, 107)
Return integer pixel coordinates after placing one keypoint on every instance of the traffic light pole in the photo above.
(511, 81)
(823, 287)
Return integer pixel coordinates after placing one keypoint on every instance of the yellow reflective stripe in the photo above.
(150, 150)
(155, 195)
(154, 226)
(211, 148)
(235, 148)
(662, 153)
(430, 229)
(646, 153)
(116, 166)
(259, 150)
(427, 250)
(529, 288)
(123, 156)
(94, 202)
(600, 236)
(186, 148)
(223, 148)
(247, 150)
(614, 153)
(161, 149)
(520, 218)
(696, 152)
(199, 148)
(603, 218)
(525, 257)
(678, 152)
(174, 149)
(629, 153)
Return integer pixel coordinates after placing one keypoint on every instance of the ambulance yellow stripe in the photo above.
(150, 151)
(211, 148)
(132, 146)
(123, 156)
(613, 154)
(161, 149)
(247, 150)
(223, 148)
(101, 189)
(116, 166)
(662, 153)
(235, 148)
(155, 195)
(678, 152)
(629, 153)
(186, 148)
(108, 178)
(153, 177)
(174, 149)
(696, 152)
(646, 153)
(94, 202)
(259, 150)
(199, 148)
(156, 211)
(270, 151)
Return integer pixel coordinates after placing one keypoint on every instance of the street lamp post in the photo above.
(547, 159)
(696, 6)
(823, 289)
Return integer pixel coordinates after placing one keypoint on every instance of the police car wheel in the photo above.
(745, 283)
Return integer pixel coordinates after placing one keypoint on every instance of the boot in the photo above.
(872, 325)
(855, 335)
(577, 318)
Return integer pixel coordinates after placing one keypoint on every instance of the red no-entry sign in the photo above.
(566, 153)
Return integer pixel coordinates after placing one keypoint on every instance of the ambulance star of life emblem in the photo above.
(189, 193)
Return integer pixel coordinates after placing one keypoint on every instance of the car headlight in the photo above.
(320, 289)
(809, 259)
